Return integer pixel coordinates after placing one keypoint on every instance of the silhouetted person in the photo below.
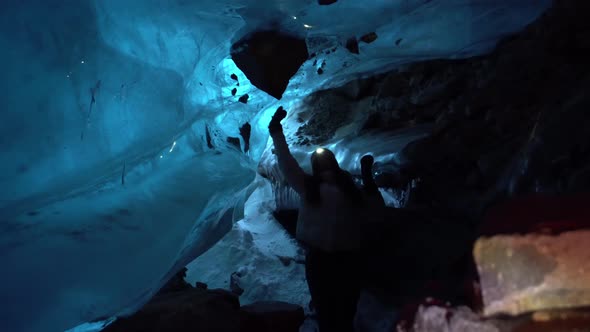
(329, 226)
(370, 189)
(373, 232)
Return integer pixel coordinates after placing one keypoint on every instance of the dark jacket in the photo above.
(333, 224)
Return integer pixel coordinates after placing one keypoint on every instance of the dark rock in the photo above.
(516, 148)
(180, 307)
(369, 38)
(201, 285)
(234, 91)
(398, 41)
(234, 284)
(326, 2)
(176, 283)
(234, 77)
(269, 59)
(328, 113)
(286, 261)
(184, 311)
(244, 99)
(352, 45)
(234, 142)
(320, 71)
(272, 316)
(245, 131)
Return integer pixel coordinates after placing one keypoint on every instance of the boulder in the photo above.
(189, 310)
(269, 59)
(244, 99)
(524, 273)
(352, 45)
(369, 37)
(531, 254)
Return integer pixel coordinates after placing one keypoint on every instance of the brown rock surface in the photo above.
(462, 319)
(524, 273)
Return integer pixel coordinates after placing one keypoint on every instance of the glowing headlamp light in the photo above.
(319, 150)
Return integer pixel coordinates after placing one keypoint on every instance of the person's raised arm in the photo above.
(367, 173)
(287, 163)
(369, 185)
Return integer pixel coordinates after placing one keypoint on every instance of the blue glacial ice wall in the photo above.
(107, 183)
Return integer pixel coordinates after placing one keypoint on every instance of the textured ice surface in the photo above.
(106, 182)
(254, 248)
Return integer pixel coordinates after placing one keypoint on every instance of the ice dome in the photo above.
(115, 117)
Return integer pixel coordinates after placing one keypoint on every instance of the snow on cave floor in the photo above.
(253, 247)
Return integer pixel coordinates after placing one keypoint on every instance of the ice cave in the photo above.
(140, 190)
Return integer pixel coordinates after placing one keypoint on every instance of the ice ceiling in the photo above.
(107, 183)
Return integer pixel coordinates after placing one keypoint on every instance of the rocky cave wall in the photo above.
(504, 124)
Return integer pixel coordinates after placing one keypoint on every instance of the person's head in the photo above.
(322, 161)
(325, 168)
